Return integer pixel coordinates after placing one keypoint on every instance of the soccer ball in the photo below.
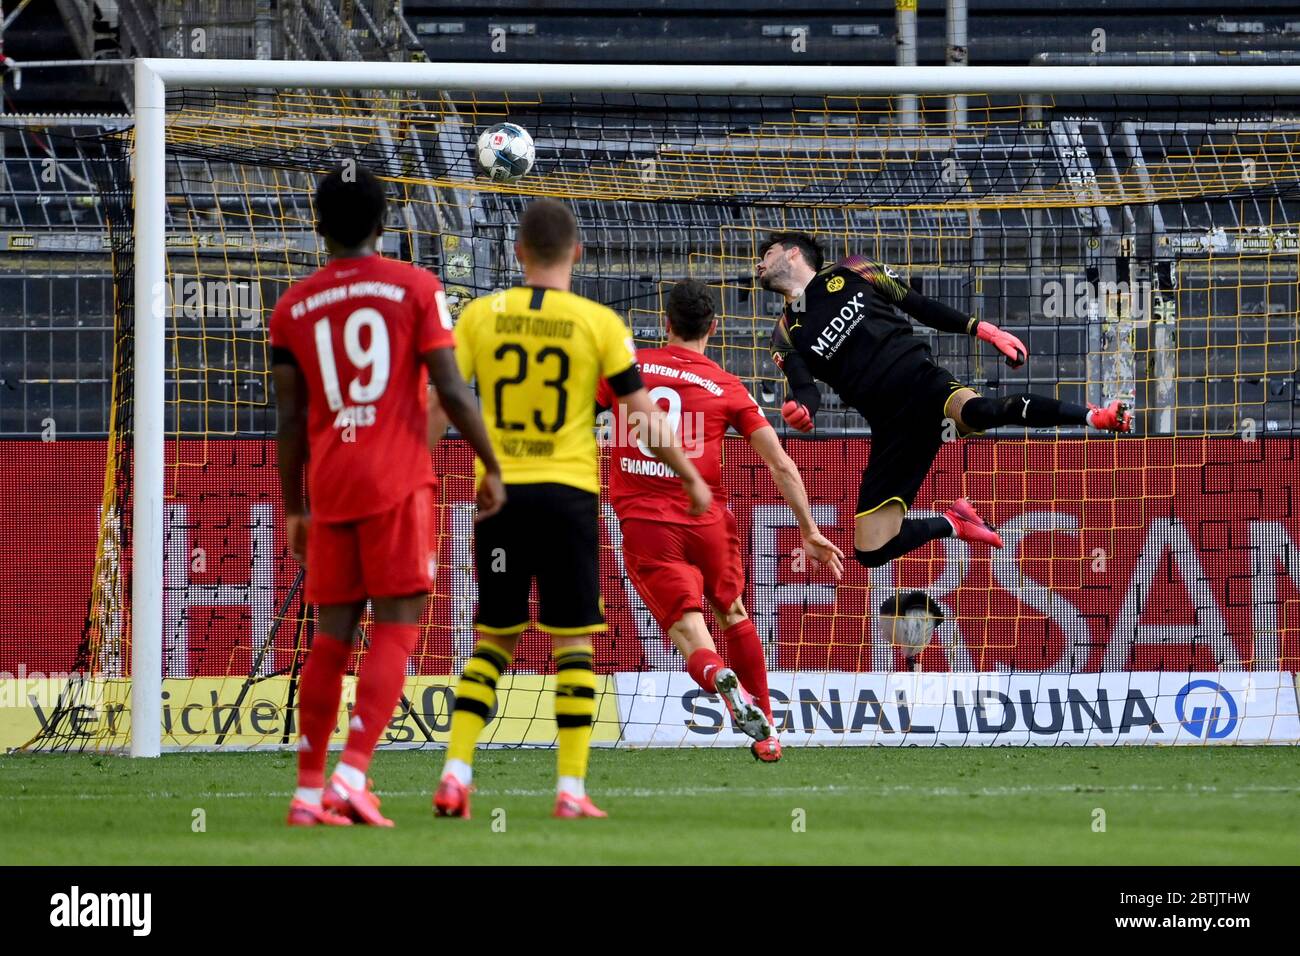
(505, 152)
(908, 621)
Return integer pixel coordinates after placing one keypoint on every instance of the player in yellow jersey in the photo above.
(538, 353)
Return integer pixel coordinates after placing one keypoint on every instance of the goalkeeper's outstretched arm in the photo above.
(943, 317)
(937, 315)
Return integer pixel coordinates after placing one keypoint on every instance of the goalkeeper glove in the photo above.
(1004, 342)
(797, 416)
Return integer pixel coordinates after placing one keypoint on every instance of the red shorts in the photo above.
(673, 566)
(391, 554)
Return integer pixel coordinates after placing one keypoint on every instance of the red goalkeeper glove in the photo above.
(797, 416)
(1004, 342)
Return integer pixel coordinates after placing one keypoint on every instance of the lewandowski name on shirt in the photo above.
(367, 289)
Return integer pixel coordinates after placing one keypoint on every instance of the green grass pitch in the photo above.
(821, 806)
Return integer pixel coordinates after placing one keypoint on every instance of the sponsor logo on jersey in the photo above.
(840, 326)
(835, 283)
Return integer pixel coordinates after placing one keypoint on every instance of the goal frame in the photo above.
(154, 76)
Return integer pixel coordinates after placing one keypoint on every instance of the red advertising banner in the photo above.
(1146, 554)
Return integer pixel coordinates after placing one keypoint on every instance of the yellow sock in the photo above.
(575, 708)
(476, 692)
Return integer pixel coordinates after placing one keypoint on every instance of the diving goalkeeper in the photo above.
(841, 325)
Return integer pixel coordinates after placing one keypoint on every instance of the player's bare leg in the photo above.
(379, 687)
(745, 651)
(881, 535)
(873, 530)
(475, 698)
(320, 687)
(690, 635)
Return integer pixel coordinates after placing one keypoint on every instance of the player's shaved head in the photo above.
(690, 309)
(806, 244)
(350, 205)
(548, 232)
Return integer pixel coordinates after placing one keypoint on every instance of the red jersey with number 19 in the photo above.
(357, 328)
(701, 400)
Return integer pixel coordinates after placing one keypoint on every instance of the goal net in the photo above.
(1144, 246)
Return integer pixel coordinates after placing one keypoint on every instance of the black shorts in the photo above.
(546, 531)
(905, 444)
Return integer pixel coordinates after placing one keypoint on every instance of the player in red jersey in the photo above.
(673, 557)
(353, 347)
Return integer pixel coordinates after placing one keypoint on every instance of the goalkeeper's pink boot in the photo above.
(451, 799)
(361, 805)
(569, 807)
(1115, 417)
(304, 814)
(767, 751)
(969, 526)
(745, 715)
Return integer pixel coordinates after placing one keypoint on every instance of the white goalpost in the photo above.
(154, 78)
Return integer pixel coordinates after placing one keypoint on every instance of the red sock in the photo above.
(379, 688)
(746, 653)
(319, 690)
(703, 666)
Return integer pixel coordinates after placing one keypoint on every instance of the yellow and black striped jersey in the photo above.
(538, 355)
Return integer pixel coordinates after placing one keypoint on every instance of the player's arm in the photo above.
(437, 419)
(943, 317)
(291, 445)
(461, 407)
(604, 398)
(790, 484)
(805, 398)
(937, 315)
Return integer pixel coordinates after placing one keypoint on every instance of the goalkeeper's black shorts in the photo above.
(906, 436)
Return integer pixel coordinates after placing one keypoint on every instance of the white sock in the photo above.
(354, 778)
(459, 769)
(573, 786)
(309, 795)
(1088, 418)
(953, 523)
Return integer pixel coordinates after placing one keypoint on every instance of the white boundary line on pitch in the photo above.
(648, 792)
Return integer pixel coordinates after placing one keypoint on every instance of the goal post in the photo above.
(155, 78)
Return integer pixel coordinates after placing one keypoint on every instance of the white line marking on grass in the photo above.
(659, 792)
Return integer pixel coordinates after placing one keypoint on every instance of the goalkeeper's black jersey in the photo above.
(846, 331)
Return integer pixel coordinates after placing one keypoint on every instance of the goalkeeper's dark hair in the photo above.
(806, 244)
(690, 309)
(350, 205)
